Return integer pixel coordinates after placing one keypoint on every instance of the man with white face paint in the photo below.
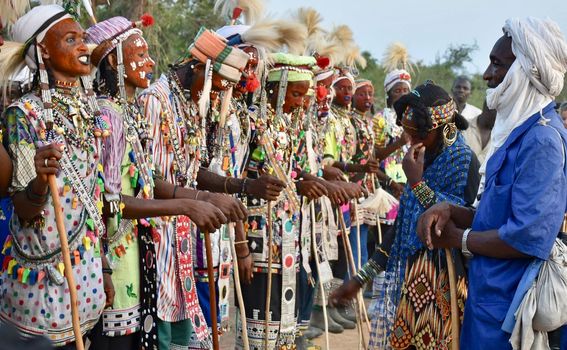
(515, 226)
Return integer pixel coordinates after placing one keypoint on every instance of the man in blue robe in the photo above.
(525, 180)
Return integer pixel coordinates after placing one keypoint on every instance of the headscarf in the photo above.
(31, 28)
(533, 80)
(107, 35)
(362, 83)
(396, 76)
(344, 75)
(300, 68)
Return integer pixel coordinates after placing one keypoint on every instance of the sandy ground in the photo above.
(348, 340)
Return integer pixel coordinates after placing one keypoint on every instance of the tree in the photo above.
(176, 24)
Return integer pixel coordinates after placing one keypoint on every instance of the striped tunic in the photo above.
(170, 296)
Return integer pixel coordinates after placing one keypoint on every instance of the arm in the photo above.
(385, 151)
(29, 183)
(231, 207)
(207, 180)
(487, 243)
(534, 211)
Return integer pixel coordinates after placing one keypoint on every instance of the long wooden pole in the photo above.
(238, 289)
(455, 319)
(66, 262)
(350, 261)
(269, 291)
(212, 290)
(321, 286)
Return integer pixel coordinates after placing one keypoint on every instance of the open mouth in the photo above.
(85, 59)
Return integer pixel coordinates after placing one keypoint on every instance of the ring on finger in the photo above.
(45, 163)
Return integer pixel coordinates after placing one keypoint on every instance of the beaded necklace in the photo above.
(73, 108)
(345, 133)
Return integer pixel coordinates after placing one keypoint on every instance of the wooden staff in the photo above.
(66, 261)
(238, 289)
(321, 287)
(359, 255)
(350, 260)
(212, 291)
(455, 319)
(372, 181)
(269, 291)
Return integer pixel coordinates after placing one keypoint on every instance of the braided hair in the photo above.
(419, 100)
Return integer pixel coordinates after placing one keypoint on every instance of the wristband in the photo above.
(106, 270)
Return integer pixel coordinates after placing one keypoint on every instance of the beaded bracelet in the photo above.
(424, 194)
(370, 270)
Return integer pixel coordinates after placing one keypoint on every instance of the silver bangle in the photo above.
(464, 249)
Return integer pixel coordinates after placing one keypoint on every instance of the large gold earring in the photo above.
(449, 134)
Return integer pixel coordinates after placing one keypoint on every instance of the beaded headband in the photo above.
(440, 115)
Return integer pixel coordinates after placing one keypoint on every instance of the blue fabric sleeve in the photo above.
(538, 194)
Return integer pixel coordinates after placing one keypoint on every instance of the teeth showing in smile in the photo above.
(84, 59)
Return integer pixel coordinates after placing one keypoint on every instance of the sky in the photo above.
(426, 27)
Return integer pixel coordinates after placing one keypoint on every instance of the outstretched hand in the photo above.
(266, 187)
(345, 293)
(433, 222)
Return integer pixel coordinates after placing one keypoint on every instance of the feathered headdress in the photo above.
(348, 55)
(396, 57)
(397, 66)
(292, 36)
(232, 9)
(11, 10)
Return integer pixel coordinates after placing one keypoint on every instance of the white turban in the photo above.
(344, 76)
(397, 76)
(533, 80)
(32, 27)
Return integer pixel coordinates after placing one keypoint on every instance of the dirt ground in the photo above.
(348, 340)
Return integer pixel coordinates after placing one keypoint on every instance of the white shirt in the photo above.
(470, 111)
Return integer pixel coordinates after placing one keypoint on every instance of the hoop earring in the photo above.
(449, 134)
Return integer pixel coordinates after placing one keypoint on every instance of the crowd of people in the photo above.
(257, 164)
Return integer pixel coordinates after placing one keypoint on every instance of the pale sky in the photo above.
(426, 27)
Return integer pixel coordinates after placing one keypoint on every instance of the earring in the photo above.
(271, 92)
(449, 134)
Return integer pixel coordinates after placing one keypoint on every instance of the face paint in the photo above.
(137, 61)
(64, 50)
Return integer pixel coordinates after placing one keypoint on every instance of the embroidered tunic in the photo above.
(35, 296)
(176, 148)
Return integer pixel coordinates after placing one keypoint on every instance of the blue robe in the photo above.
(524, 199)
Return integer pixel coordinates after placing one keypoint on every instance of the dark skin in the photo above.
(461, 92)
(398, 90)
(343, 93)
(362, 101)
(265, 187)
(485, 122)
(294, 95)
(250, 69)
(64, 52)
(207, 216)
(442, 225)
(413, 165)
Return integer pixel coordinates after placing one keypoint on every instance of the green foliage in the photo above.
(176, 24)
(443, 72)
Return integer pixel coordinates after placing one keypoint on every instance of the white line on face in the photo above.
(133, 65)
(139, 42)
(142, 74)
